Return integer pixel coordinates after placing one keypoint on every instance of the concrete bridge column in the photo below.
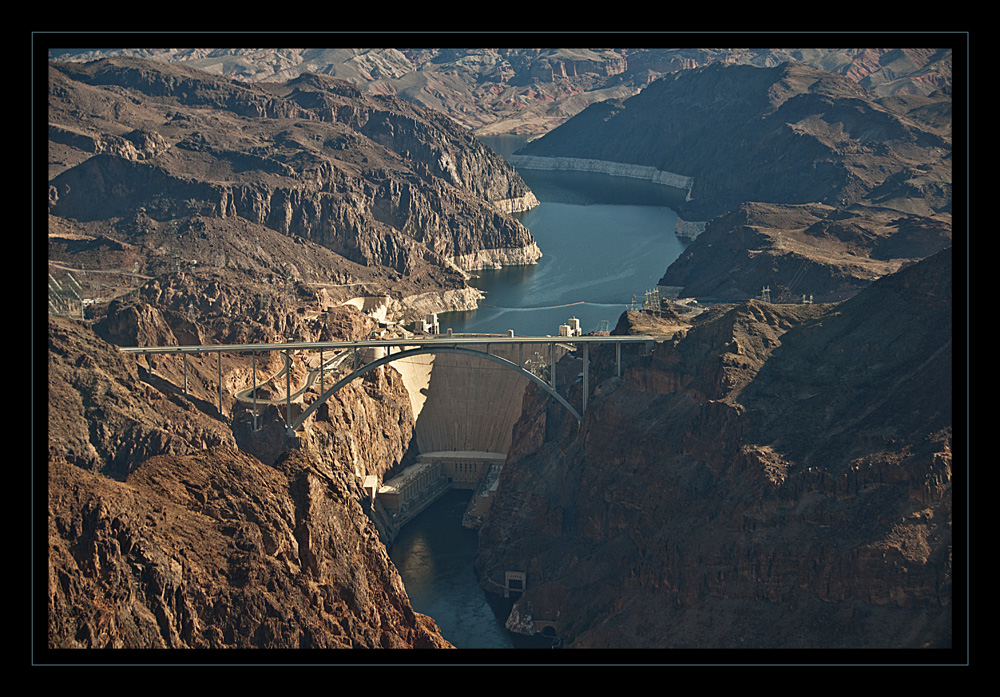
(288, 388)
(552, 360)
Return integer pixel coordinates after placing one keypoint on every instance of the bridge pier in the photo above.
(552, 371)
(288, 388)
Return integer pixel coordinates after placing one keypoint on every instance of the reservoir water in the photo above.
(603, 240)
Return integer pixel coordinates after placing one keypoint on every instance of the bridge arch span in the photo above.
(424, 350)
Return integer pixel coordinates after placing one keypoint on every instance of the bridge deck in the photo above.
(438, 340)
(454, 343)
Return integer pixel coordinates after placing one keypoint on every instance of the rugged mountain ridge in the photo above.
(530, 91)
(814, 251)
(787, 134)
(796, 179)
(376, 180)
(778, 477)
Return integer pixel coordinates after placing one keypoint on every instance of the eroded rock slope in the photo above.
(163, 534)
(378, 181)
(778, 477)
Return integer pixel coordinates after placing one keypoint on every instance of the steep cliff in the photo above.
(786, 134)
(102, 417)
(216, 550)
(778, 477)
(162, 534)
(381, 182)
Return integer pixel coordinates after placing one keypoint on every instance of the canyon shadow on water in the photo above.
(433, 554)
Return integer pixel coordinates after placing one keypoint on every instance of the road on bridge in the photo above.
(406, 345)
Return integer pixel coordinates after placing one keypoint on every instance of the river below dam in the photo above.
(434, 554)
(604, 240)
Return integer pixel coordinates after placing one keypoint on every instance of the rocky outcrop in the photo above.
(778, 477)
(532, 90)
(516, 205)
(379, 181)
(216, 550)
(104, 418)
(498, 258)
(814, 251)
(418, 306)
(787, 134)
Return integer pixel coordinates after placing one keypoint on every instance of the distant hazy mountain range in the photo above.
(530, 91)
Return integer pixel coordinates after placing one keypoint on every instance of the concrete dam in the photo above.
(465, 408)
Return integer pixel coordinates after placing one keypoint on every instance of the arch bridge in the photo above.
(389, 350)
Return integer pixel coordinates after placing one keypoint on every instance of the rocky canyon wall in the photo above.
(778, 477)
(379, 181)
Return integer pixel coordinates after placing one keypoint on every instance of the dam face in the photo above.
(463, 403)
(464, 408)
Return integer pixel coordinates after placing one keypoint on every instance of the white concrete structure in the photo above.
(462, 402)
(428, 325)
(375, 307)
(571, 328)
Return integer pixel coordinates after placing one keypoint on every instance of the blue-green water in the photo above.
(433, 554)
(596, 257)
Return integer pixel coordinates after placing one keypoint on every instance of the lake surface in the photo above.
(597, 256)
